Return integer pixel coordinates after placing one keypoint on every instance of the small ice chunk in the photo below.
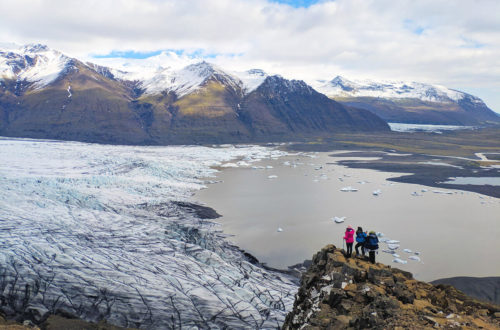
(280, 229)
(407, 250)
(338, 219)
(417, 253)
(416, 194)
(392, 241)
(400, 261)
(272, 177)
(395, 255)
(269, 167)
(229, 165)
(379, 234)
(388, 251)
(415, 258)
(287, 163)
(393, 246)
(377, 192)
(348, 189)
(424, 190)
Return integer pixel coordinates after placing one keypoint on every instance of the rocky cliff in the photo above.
(336, 293)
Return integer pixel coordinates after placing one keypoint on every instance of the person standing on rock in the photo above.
(360, 241)
(349, 240)
(371, 244)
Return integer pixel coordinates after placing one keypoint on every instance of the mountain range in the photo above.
(46, 94)
(410, 102)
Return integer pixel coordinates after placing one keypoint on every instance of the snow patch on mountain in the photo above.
(192, 77)
(251, 79)
(34, 63)
(342, 87)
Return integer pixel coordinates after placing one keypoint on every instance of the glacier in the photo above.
(97, 231)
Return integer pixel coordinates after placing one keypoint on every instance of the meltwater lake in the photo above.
(455, 232)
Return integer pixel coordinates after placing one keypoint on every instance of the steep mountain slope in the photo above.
(45, 94)
(410, 102)
(336, 293)
(77, 103)
(283, 107)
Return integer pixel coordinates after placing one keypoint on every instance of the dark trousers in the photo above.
(362, 248)
(349, 249)
(372, 256)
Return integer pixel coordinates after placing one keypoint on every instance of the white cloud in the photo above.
(455, 43)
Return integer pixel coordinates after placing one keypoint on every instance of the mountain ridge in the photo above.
(200, 103)
(410, 102)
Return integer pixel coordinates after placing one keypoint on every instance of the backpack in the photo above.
(372, 242)
(361, 237)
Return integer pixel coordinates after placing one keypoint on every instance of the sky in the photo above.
(449, 42)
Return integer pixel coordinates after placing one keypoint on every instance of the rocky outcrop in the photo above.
(340, 293)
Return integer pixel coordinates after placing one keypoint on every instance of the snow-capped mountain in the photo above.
(409, 102)
(46, 94)
(342, 87)
(190, 78)
(34, 63)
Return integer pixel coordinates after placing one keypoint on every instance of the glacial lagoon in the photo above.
(455, 231)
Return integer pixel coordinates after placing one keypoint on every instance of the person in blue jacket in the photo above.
(371, 244)
(360, 241)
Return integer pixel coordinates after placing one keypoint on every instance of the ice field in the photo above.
(92, 230)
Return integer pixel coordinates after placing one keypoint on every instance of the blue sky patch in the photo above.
(413, 26)
(471, 43)
(128, 54)
(197, 53)
(296, 3)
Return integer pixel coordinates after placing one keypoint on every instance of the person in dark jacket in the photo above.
(360, 241)
(371, 244)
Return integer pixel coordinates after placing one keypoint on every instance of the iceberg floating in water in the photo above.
(442, 192)
(339, 219)
(392, 241)
(393, 246)
(400, 261)
(395, 255)
(379, 234)
(407, 250)
(377, 192)
(349, 189)
(229, 165)
(280, 229)
(272, 177)
(415, 258)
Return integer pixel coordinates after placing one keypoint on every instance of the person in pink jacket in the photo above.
(349, 239)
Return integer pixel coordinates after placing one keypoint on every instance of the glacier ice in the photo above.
(94, 230)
